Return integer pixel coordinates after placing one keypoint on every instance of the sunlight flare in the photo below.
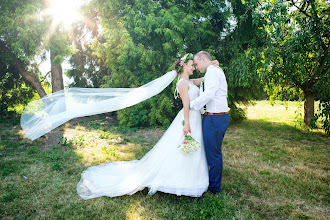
(65, 11)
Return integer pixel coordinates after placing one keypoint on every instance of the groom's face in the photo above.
(199, 64)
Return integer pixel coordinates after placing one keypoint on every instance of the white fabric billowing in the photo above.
(164, 168)
(43, 115)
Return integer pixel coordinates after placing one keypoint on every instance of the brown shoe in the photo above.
(210, 193)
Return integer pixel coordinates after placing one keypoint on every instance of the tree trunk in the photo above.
(27, 76)
(57, 75)
(309, 108)
(57, 79)
(33, 80)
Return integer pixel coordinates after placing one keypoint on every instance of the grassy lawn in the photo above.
(274, 168)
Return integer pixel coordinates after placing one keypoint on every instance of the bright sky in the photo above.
(66, 12)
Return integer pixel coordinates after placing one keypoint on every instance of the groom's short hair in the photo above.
(204, 54)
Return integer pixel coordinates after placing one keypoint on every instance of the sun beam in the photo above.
(65, 12)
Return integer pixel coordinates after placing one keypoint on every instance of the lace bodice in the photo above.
(193, 91)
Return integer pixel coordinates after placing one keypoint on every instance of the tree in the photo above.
(59, 48)
(20, 32)
(26, 31)
(299, 46)
(87, 69)
(241, 52)
(13, 90)
(142, 39)
(20, 67)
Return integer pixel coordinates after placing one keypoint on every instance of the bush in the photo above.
(236, 114)
(14, 95)
(158, 111)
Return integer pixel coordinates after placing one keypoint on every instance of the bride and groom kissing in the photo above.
(165, 168)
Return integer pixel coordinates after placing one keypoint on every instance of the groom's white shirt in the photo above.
(215, 93)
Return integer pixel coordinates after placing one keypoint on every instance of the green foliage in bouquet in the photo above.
(189, 145)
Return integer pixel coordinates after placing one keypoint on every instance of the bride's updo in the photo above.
(178, 64)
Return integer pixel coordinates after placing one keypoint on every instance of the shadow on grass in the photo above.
(279, 127)
(33, 187)
(277, 170)
(33, 177)
(274, 132)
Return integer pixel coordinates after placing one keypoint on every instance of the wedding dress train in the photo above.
(164, 168)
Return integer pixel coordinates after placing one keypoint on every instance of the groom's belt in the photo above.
(220, 113)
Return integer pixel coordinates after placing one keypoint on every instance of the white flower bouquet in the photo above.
(189, 145)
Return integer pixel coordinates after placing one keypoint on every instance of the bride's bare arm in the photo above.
(197, 81)
(183, 90)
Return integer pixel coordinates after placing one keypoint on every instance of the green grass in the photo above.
(274, 168)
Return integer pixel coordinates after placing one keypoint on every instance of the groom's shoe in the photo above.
(210, 193)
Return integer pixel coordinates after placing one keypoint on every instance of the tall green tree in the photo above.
(26, 32)
(87, 69)
(299, 47)
(20, 31)
(241, 52)
(13, 90)
(59, 48)
(143, 38)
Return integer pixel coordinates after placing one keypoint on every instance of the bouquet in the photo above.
(189, 145)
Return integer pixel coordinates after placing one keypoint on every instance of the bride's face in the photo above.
(189, 67)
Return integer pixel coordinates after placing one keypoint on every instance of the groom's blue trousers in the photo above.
(214, 129)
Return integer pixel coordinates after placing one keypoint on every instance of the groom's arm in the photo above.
(197, 81)
(212, 84)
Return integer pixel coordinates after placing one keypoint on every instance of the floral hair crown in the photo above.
(184, 60)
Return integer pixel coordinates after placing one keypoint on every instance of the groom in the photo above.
(213, 96)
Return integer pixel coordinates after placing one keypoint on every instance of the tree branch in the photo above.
(324, 59)
(46, 76)
(325, 70)
(314, 10)
(301, 9)
(28, 77)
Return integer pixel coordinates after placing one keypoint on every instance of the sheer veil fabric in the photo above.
(164, 168)
(51, 111)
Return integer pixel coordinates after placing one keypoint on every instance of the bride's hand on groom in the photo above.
(186, 129)
(215, 62)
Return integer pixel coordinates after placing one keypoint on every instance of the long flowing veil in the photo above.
(49, 112)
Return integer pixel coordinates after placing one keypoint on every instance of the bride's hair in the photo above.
(178, 64)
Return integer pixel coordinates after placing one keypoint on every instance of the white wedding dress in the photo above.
(164, 168)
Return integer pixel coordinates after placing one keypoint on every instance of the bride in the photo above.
(165, 168)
